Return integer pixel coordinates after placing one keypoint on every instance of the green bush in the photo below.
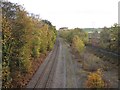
(110, 38)
(69, 34)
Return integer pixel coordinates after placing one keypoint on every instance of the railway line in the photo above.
(44, 76)
(104, 53)
(59, 70)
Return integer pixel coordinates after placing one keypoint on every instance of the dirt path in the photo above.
(57, 71)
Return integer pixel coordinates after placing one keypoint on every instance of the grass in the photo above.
(91, 62)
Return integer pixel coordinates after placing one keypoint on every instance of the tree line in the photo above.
(108, 38)
(24, 38)
(76, 37)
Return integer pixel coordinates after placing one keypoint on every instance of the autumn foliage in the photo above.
(77, 44)
(77, 38)
(24, 37)
(95, 80)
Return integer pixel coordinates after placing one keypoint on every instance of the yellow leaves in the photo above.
(78, 35)
(24, 36)
(5, 77)
(5, 71)
(77, 44)
(95, 80)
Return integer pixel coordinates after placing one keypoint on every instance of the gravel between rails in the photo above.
(57, 71)
(41, 77)
(65, 75)
(59, 80)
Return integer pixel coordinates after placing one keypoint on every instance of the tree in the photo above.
(24, 37)
(77, 44)
(105, 38)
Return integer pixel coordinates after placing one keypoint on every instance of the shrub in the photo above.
(77, 44)
(95, 80)
(69, 34)
(91, 62)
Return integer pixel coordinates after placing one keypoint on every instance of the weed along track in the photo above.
(44, 76)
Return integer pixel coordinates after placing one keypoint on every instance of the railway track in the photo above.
(103, 51)
(109, 56)
(44, 76)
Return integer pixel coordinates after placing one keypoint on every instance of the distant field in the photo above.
(92, 29)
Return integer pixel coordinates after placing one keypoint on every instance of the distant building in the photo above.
(63, 28)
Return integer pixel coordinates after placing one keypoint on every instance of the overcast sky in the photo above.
(74, 13)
